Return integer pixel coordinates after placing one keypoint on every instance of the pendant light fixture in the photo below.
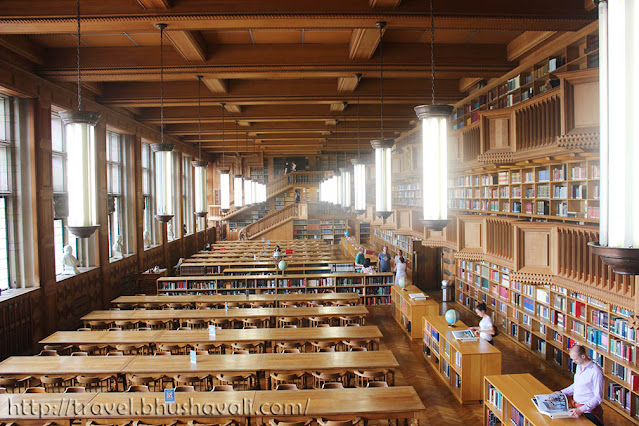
(618, 243)
(359, 168)
(434, 121)
(199, 166)
(383, 148)
(238, 182)
(345, 171)
(163, 155)
(79, 136)
(225, 174)
(248, 193)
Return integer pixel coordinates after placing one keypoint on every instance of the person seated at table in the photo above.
(359, 259)
(208, 247)
(368, 267)
(277, 254)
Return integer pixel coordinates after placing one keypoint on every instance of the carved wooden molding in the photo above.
(531, 278)
(586, 141)
(596, 293)
(496, 157)
(508, 263)
(473, 256)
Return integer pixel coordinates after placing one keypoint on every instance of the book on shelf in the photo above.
(554, 405)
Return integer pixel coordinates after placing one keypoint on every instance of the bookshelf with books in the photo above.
(374, 289)
(566, 191)
(528, 80)
(328, 230)
(284, 199)
(461, 365)
(548, 320)
(364, 233)
(256, 213)
(408, 311)
(408, 194)
(394, 242)
(508, 400)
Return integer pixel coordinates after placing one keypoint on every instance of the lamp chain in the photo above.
(161, 84)
(432, 50)
(358, 139)
(381, 26)
(199, 115)
(223, 139)
(78, 57)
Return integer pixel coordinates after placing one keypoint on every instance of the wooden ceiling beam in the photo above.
(23, 46)
(363, 43)
(191, 129)
(190, 44)
(526, 42)
(347, 84)
(216, 85)
(384, 3)
(155, 4)
(233, 108)
(466, 84)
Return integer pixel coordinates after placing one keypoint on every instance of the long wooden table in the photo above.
(37, 366)
(400, 402)
(272, 298)
(193, 337)
(231, 314)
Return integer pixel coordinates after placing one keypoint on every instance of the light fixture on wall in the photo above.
(199, 166)
(383, 148)
(79, 137)
(345, 171)
(434, 121)
(359, 168)
(618, 243)
(163, 155)
(225, 174)
(237, 177)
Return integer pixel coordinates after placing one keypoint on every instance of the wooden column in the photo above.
(40, 123)
(102, 233)
(138, 200)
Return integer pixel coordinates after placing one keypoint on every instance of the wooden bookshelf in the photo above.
(409, 312)
(408, 194)
(256, 213)
(374, 289)
(327, 230)
(548, 320)
(395, 242)
(364, 232)
(461, 365)
(508, 398)
(566, 191)
(529, 81)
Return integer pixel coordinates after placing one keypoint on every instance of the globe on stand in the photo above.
(451, 316)
(282, 265)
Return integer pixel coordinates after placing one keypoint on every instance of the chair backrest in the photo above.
(333, 385)
(379, 384)
(79, 354)
(223, 388)
(48, 352)
(163, 352)
(287, 386)
(357, 349)
(35, 389)
(84, 329)
(138, 388)
(185, 388)
(291, 351)
(115, 353)
(75, 389)
(241, 352)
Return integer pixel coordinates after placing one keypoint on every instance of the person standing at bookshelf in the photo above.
(400, 272)
(384, 260)
(359, 259)
(396, 259)
(486, 327)
(587, 390)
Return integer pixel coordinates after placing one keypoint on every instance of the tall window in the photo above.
(174, 226)
(148, 192)
(187, 193)
(116, 151)
(61, 237)
(5, 190)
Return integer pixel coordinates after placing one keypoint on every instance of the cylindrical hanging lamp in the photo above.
(199, 166)
(225, 174)
(346, 187)
(79, 137)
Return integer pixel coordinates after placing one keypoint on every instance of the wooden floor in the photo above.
(442, 408)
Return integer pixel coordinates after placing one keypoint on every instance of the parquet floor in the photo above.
(442, 408)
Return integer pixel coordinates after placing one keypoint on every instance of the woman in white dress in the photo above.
(400, 270)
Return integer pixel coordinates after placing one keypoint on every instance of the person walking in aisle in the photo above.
(486, 327)
(587, 390)
(384, 260)
(400, 272)
(396, 259)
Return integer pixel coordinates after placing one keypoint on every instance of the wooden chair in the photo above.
(250, 327)
(126, 324)
(197, 324)
(48, 352)
(223, 388)
(185, 388)
(154, 382)
(348, 344)
(211, 348)
(288, 345)
(60, 349)
(261, 304)
(364, 377)
(252, 347)
(319, 378)
(205, 305)
(138, 349)
(318, 346)
(98, 325)
(327, 349)
(357, 349)
(15, 384)
(345, 320)
(138, 388)
(287, 386)
(79, 354)
(115, 353)
(144, 328)
(275, 379)
(316, 321)
(239, 381)
(221, 323)
(257, 322)
(92, 349)
(35, 389)
(97, 383)
(199, 382)
(291, 351)
(379, 384)
(175, 349)
(163, 353)
(287, 304)
(333, 385)
(176, 305)
(84, 329)
(159, 324)
(75, 389)
(55, 383)
(282, 322)
(323, 325)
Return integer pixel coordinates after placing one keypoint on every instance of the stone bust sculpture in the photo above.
(118, 247)
(147, 239)
(69, 261)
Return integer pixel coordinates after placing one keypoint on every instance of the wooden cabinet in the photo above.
(408, 312)
(507, 398)
(461, 365)
(146, 281)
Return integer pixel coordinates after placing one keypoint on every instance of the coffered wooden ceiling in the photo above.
(284, 68)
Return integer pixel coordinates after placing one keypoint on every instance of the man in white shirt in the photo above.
(587, 390)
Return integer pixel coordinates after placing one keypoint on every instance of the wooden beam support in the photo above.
(23, 46)
(384, 3)
(338, 106)
(363, 43)
(216, 85)
(234, 108)
(190, 44)
(155, 4)
(347, 84)
(526, 42)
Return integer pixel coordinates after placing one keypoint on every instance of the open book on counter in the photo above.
(554, 405)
